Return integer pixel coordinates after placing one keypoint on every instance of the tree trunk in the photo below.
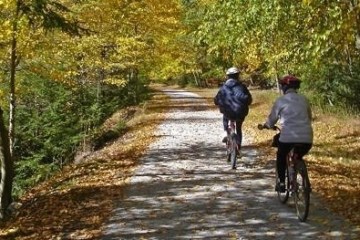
(197, 83)
(277, 78)
(12, 94)
(14, 61)
(7, 168)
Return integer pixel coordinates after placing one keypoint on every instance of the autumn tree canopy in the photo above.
(69, 64)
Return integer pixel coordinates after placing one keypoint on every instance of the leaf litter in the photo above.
(76, 202)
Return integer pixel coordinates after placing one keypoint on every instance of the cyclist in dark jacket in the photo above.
(233, 100)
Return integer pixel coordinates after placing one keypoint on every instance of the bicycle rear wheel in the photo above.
(228, 148)
(283, 196)
(302, 191)
(233, 154)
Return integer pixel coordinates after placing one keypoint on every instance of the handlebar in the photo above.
(264, 126)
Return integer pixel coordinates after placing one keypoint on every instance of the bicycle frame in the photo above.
(291, 160)
(232, 127)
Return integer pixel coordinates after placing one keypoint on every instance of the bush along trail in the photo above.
(167, 177)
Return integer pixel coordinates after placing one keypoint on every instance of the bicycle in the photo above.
(232, 144)
(297, 182)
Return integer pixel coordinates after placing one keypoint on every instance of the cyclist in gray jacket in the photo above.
(293, 112)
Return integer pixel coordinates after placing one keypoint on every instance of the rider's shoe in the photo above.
(280, 187)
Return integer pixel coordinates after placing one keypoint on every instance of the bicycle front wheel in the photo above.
(302, 191)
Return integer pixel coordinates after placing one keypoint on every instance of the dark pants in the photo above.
(239, 123)
(283, 150)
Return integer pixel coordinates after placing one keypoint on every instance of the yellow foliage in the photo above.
(120, 82)
(253, 58)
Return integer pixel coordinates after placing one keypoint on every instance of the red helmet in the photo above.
(290, 81)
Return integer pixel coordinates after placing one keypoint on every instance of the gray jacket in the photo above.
(294, 112)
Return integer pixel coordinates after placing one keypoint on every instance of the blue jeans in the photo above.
(239, 123)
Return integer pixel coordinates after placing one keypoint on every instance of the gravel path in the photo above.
(185, 189)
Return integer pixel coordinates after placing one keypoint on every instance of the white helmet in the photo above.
(232, 70)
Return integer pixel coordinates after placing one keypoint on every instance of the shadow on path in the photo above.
(185, 189)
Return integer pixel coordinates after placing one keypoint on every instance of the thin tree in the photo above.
(7, 168)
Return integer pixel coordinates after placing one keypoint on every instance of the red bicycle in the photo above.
(297, 182)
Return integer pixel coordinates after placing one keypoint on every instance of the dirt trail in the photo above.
(185, 189)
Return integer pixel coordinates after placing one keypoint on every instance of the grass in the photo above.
(334, 160)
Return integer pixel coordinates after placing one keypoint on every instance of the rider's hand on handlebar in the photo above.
(262, 126)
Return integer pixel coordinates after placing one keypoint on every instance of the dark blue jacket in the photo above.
(233, 99)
